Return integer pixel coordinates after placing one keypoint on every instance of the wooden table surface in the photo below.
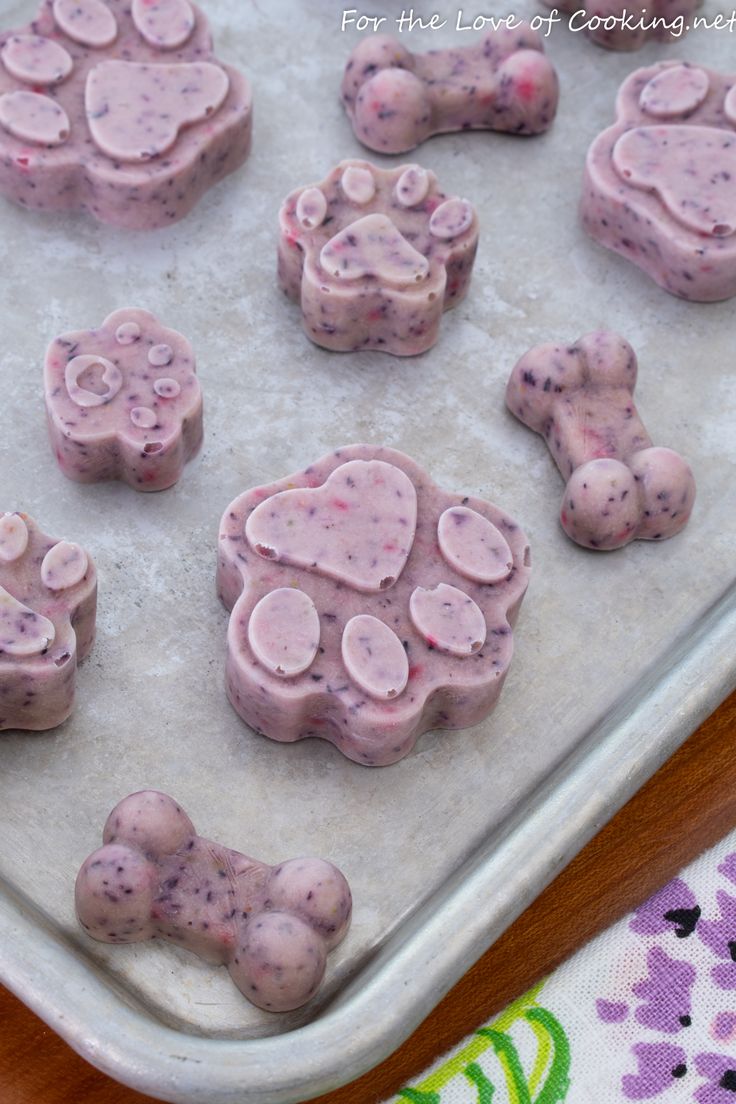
(688, 805)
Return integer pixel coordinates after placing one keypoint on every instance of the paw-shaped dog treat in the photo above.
(118, 108)
(620, 25)
(374, 256)
(48, 603)
(395, 99)
(660, 185)
(155, 878)
(580, 398)
(368, 605)
(123, 402)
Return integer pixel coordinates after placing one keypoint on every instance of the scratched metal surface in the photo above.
(617, 659)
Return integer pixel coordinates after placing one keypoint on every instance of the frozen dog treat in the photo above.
(660, 184)
(368, 605)
(619, 25)
(395, 99)
(155, 878)
(619, 487)
(123, 402)
(119, 109)
(374, 256)
(48, 602)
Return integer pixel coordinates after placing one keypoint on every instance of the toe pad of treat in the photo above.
(123, 402)
(580, 398)
(48, 595)
(395, 99)
(118, 109)
(367, 604)
(154, 877)
(394, 253)
(660, 184)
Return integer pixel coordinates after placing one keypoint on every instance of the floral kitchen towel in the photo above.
(646, 1011)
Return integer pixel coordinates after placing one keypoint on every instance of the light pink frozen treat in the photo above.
(621, 25)
(660, 184)
(374, 256)
(395, 99)
(48, 603)
(123, 402)
(368, 605)
(118, 108)
(155, 878)
(619, 487)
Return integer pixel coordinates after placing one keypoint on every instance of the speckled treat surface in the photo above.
(660, 184)
(123, 402)
(118, 109)
(394, 604)
(396, 99)
(48, 602)
(155, 878)
(375, 256)
(620, 488)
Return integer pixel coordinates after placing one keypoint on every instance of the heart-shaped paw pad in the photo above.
(48, 602)
(660, 185)
(118, 109)
(363, 598)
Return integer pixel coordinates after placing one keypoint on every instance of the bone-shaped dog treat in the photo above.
(660, 184)
(580, 398)
(396, 99)
(155, 878)
(118, 109)
(48, 603)
(123, 402)
(368, 605)
(621, 25)
(374, 256)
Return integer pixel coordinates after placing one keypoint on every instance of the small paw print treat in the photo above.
(48, 604)
(620, 25)
(155, 878)
(395, 99)
(368, 605)
(660, 184)
(119, 109)
(123, 402)
(619, 487)
(374, 256)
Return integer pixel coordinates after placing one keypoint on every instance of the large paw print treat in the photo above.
(660, 184)
(48, 603)
(368, 605)
(123, 402)
(374, 256)
(621, 25)
(619, 487)
(155, 878)
(118, 108)
(395, 99)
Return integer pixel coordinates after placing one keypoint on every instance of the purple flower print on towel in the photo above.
(728, 867)
(721, 1073)
(611, 1011)
(674, 906)
(720, 937)
(666, 992)
(658, 1065)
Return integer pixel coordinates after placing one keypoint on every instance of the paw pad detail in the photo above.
(362, 598)
(123, 402)
(374, 257)
(580, 399)
(48, 603)
(395, 99)
(154, 877)
(105, 105)
(660, 184)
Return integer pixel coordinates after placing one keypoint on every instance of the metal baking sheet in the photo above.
(618, 656)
